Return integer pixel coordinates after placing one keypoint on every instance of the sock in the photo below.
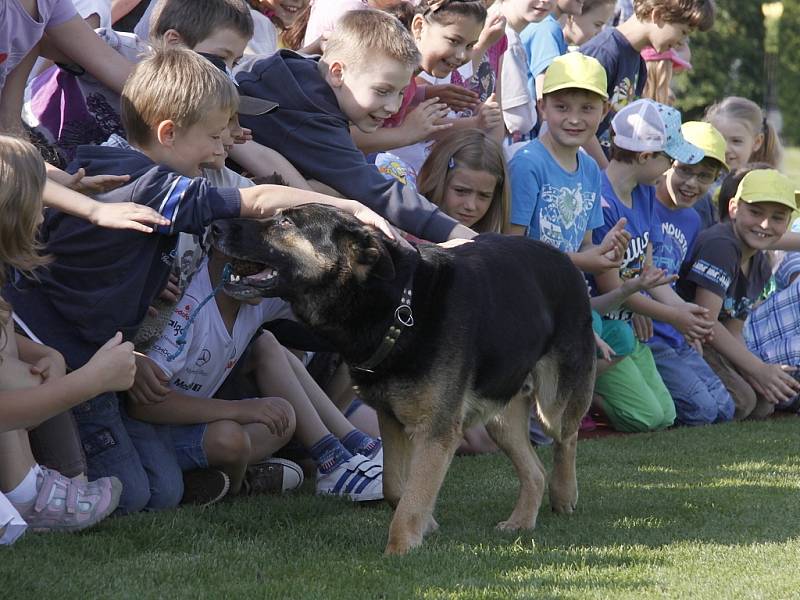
(27, 490)
(329, 453)
(359, 442)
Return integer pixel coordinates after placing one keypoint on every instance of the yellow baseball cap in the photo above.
(706, 137)
(766, 185)
(577, 71)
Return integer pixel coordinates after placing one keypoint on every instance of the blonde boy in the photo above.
(366, 65)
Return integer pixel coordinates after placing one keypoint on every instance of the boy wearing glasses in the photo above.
(646, 141)
(700, 396)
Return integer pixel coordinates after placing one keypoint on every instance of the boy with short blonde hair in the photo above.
(103, 281)
(321, 97)
(361, 35)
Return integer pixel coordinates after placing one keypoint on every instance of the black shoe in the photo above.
(204, 487)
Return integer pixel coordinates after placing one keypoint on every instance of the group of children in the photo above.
(136, 370)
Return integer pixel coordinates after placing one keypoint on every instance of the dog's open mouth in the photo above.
(250, 273)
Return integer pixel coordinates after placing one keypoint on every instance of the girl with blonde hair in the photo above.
(33, 383)
(466, 176)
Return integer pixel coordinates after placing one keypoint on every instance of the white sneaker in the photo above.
(358, 478)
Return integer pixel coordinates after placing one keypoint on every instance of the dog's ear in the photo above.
(369, 256)
(378, 257)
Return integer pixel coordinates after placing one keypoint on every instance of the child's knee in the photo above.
(266, 345)
(166, 488)
(226, 443)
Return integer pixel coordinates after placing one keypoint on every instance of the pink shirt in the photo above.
(19, 32)
(325, 13)
(409, 100)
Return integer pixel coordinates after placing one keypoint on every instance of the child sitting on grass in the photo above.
(699, 395)
(33, 383)
(647, 138)
(727, 272)
(210, 329)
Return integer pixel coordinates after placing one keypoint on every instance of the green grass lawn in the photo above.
(711, 512)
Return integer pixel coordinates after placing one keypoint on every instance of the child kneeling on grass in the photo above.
(207, 335)
(727, 272)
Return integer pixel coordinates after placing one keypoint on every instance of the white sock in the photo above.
(27, 490)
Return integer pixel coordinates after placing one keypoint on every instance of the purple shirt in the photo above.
(19, 32)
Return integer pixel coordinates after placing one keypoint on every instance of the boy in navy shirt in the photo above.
(647, 138)
(700, 396)
(359, 79)
(727, 273)
(175, 108)
(662, 24)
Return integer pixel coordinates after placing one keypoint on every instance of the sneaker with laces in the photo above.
(204, 487)
(62, 504)
(272, 476)
(358, 478)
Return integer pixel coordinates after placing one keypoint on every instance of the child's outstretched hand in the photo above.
(649, 278)
(150, 385)
(96, 184)
(113, 366)
(493, 30)
(425, 120)
(616, 242)
(126, 215)
(454, 96)
(489, 114)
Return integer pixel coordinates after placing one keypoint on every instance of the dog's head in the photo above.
(298, 250)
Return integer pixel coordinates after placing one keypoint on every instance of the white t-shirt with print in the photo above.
(210, 353)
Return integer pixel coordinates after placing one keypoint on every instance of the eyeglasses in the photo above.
(686, 172)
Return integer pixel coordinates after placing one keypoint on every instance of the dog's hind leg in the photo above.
(509, 430)
(430, 458)
(564, 393)
(396, 457)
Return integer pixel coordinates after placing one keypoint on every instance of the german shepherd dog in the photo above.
(437, 340)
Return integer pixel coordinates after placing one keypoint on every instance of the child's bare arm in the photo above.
(27, 399)
(181, 409)
(264, 162)
(771, 381)
(649, 278)
(263, 201)
(118, 215)
(12, 95)
(605, 256)
(81, 44)
(45, 361)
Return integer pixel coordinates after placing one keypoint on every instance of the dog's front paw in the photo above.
(563, 503)
(513, 524)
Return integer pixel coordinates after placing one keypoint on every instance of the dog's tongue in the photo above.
(246, 268)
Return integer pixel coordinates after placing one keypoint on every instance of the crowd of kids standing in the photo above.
(136, 374)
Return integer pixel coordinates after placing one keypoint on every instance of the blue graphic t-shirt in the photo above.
(642, 225)
(556, 206)
(625, 69)
(543, 42)
(679, 229)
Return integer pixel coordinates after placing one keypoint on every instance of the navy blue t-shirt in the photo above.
(625, 69)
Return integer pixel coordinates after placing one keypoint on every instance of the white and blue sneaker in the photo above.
(358, 478)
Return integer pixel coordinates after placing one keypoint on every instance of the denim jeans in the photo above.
(139, 454)
(700, 396)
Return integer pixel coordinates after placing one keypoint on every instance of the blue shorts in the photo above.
(188, 443)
